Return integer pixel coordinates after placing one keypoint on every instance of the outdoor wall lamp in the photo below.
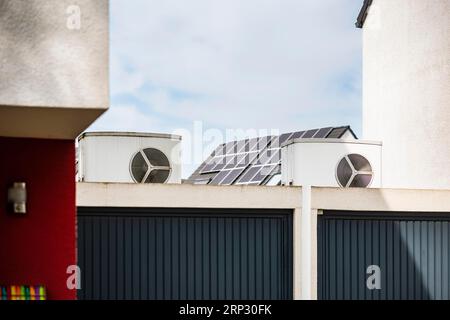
(17, 198)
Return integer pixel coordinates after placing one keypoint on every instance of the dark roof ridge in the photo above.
(363, 13)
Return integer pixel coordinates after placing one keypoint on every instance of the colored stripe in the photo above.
(22, 293)
(14, 292)
(32, 293)
(41, 293)
(27, 293)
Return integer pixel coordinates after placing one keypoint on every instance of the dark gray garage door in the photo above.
(184, 254)
(408, 254)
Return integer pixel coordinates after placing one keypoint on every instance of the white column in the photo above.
(305, 248)
(297, 238)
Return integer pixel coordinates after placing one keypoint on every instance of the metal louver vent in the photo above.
(354, 171)
(150, 166)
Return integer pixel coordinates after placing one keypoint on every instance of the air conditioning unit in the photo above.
(331, 163)
(129, 157)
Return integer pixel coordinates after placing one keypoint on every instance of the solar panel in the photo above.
(208, 168)
(322, 133)
(252, 161)
(251, 145)
(276, 157)
(200, 168)
(232, 176)
(248, 175)
(219, 150)
(219, 177)
(277, 170)
(263, 143)
(336, 133)
(297, 135)
(248, 159)
(265, 156)
(260, 159)
(310, 133)
(230, 147)
(214, 164)
(222, 162)
(284, 137)
(240, 145)
(274, 142)
(204, 178)
(232, 162)
(262, 173)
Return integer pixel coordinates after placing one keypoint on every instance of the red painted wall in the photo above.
(38, 247)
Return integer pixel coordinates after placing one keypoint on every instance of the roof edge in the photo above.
(128, 134)
(363, 14)
(330, 141)
(349, 128)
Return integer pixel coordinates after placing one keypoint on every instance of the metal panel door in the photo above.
(185, 254)
(409, 255)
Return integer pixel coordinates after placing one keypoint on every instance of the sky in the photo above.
(210, 66)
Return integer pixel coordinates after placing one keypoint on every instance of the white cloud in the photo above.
(124, 81)
(252, 63)
(126, 118)
(239, 64)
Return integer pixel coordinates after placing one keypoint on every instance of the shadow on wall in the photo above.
(412, 253)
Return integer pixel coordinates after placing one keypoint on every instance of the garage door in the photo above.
(383, 256)
(134, 253)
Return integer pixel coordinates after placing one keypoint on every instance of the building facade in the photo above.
(406, 89)
(53, 85)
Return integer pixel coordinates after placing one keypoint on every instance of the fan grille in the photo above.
(150, 165)
(354, 171)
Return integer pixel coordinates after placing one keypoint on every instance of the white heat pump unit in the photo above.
(129, 157)
(331, 163)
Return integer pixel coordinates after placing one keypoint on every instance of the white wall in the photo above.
(313, 162)
(106, 158)
(406, 90)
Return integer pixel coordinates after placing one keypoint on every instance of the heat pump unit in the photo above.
(129, 157)
(332, 163)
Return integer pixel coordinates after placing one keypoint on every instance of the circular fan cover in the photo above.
(150, 166)
(354, 171)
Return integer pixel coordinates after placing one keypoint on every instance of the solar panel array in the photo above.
(254, 161)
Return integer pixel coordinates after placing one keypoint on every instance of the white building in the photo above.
(406, 89)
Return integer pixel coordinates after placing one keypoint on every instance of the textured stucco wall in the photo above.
(406, 90)
(44, 63)
(48, 60)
